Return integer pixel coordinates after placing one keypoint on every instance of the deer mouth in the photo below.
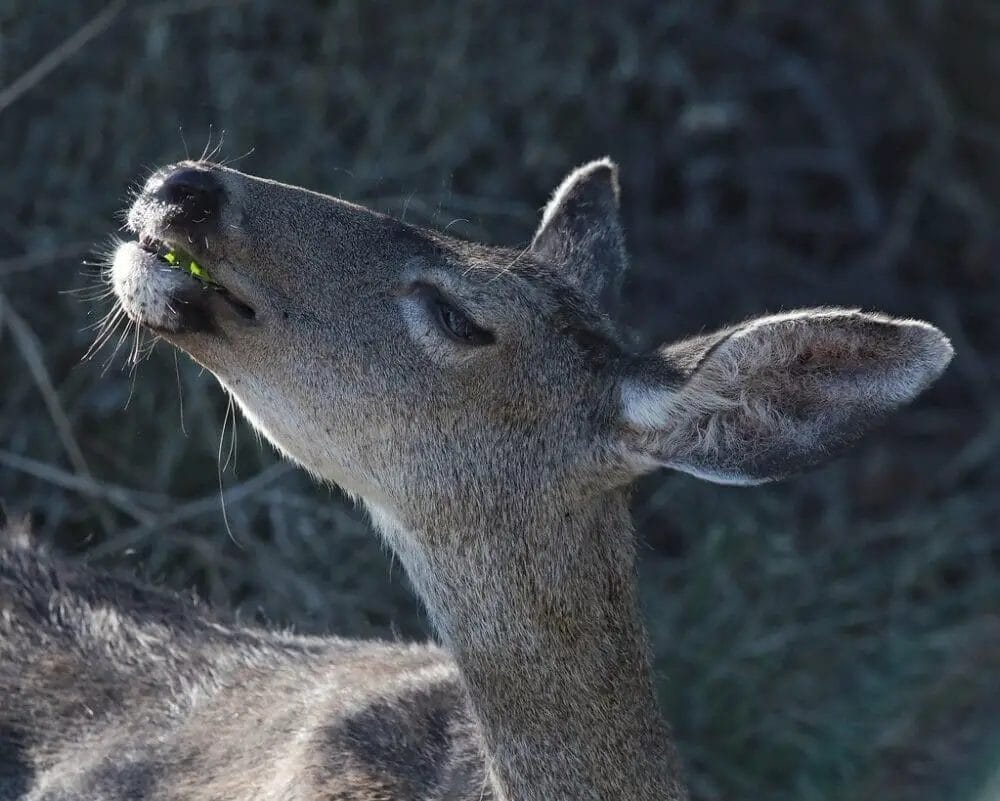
(177, 258)
(165, 288)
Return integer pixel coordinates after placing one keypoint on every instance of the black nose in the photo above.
(196, 193)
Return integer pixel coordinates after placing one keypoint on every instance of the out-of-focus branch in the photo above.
(31, 352)
(60, 54)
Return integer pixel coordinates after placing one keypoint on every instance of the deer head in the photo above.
(482, 403)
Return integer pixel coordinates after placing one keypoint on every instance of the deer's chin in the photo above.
(168, 300)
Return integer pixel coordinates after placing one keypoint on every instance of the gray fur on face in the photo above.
(494, 454)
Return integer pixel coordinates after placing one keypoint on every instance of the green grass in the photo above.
(835, 637)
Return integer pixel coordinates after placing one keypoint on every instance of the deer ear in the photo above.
(776, 395)
(580, 231)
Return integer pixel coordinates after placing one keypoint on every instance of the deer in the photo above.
(485, 406)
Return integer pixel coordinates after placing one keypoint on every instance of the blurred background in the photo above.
(833, 637)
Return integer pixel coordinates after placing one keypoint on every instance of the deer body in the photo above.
(482, 405)
(124, 692)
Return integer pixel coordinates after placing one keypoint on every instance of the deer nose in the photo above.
(195, 193)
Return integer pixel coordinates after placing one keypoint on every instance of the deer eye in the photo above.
(453, 322)
(458, 326)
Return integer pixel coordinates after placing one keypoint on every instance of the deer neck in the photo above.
(543, 622)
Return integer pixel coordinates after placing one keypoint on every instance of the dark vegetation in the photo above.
(835, 637)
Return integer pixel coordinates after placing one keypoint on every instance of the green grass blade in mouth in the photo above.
(182, 261)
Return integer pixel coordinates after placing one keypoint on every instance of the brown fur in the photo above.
(497, 472)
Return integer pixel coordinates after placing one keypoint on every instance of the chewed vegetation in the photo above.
(835, 637)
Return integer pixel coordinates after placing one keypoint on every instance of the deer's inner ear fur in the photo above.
(776, 395)
(581, 232)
